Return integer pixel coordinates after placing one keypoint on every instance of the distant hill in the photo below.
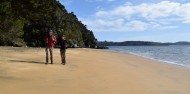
(182, 43)
(139, 43)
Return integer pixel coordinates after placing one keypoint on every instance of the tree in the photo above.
(29, 20)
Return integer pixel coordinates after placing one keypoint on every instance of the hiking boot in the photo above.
(63, 63)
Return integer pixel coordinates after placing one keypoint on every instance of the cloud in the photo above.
(119, 25)
(145, 16)
(150, 11)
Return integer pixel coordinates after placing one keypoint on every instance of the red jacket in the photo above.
(49, 41)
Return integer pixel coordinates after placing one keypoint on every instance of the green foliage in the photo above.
(29, 20)
(10, 26)
(33, 10)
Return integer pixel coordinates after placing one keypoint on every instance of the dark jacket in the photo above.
(62, 43)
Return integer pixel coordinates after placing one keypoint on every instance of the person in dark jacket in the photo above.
(63, 46)
(50, 40)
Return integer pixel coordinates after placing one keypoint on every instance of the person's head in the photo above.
(50, 32)
(63, 37)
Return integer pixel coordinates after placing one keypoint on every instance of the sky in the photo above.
(134, 20)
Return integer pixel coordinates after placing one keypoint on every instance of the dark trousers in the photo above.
(62, 52)
(49, 50)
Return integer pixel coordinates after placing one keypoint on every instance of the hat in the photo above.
(50, 30)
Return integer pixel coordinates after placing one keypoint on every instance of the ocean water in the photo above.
(179, 55)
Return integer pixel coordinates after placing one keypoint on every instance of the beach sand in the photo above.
(88, 71)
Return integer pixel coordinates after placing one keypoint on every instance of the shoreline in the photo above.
(88, 71)
(114, 51)
(158, 60)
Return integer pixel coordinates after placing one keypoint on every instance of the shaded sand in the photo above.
(88, 71)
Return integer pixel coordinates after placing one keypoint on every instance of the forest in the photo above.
(25, 22)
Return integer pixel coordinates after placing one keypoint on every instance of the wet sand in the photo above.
(88, 71)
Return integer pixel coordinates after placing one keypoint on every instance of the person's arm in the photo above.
(54, 39)
(66, 44)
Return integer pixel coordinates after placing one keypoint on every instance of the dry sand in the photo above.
(88, 71)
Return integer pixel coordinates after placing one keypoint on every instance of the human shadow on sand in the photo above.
(22, 61)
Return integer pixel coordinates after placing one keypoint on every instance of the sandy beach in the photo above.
(88, 71)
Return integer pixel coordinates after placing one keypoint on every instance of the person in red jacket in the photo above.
(50, 40)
